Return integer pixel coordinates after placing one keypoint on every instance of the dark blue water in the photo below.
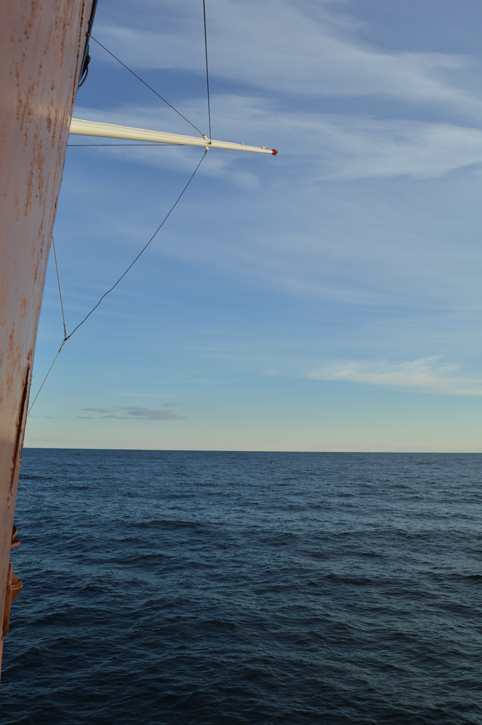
(232, 588)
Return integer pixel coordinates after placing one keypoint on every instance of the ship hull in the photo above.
(41, 46)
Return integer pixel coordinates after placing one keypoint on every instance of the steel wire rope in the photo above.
(148, 86)
(63, 321)
(207, 67)
(67, 337)
(60, 290)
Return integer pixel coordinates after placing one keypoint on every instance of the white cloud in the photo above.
(135, 412)
(428, 375)
(363, 147)
(287, 47)
(144, 395)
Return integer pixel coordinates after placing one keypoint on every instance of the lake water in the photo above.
(246, 588)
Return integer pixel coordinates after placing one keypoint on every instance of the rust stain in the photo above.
(24, 306)
(30, 20)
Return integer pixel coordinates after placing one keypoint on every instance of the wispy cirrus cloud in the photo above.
(361, 147)
(427, 375)
(144, 395)
(306, 48)
(133, 412)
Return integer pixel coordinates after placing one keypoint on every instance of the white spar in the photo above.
(109, 130)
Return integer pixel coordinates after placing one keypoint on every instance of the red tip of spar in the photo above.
(274, 152)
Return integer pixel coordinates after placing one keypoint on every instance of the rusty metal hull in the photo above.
(42, 44)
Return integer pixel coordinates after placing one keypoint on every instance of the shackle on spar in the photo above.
(109, 130)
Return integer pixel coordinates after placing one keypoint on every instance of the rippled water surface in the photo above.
(226, 588)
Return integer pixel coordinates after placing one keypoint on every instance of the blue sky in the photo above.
(325, 299)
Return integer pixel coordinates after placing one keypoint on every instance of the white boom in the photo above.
(109, 130)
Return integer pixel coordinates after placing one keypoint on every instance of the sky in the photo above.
(326, 299)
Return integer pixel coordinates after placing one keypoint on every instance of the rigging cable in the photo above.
(207, 67)
(45, 378)
(148, 86)
(63, 320)
(67, 337)
(60, 291)
(145, 246)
